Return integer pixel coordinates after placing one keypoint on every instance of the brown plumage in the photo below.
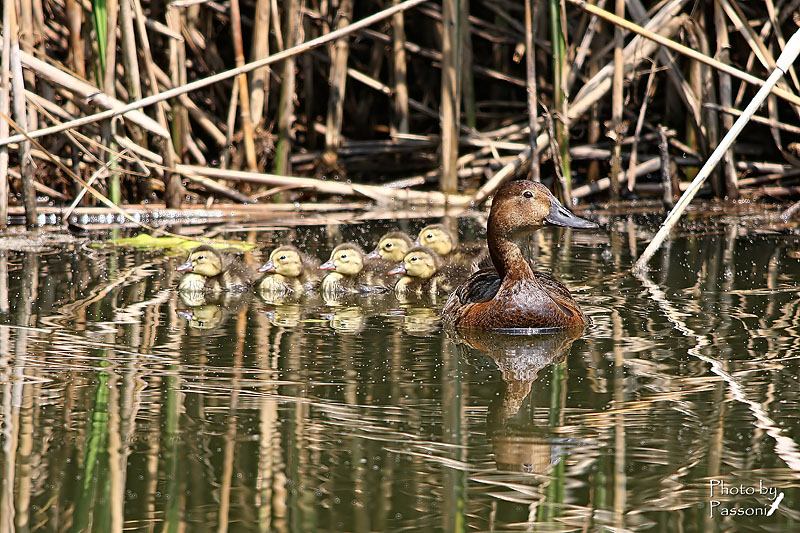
(513, 295)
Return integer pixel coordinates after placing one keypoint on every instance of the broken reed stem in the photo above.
(448, 182)
(341, 50)
(790, 52)
(530, 69)
(244, 93)
(20, 114)
(559, 45)
(400, 100)
(617, 101)
(259, 79)
(286, 103)
(5, 104)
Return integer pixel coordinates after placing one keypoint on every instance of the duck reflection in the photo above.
(286, 315)
(518, 444)
(418, 320)
(205, 313)
(350, 319)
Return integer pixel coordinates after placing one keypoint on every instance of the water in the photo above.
(119, 412)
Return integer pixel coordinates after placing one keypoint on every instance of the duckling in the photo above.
(392, 247)
(205, 317)
(207, 269)
(425, 274)
(289, 272)
(439, 239)
(350, 273)
(513, 295)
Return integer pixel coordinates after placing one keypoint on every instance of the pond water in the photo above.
(676, 410)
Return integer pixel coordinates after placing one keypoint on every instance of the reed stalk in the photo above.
(259, 49)
(559, 54)
(448, 181)
(338, 79)
(530, 69)
(20, 116)
(400, 100)
(286, 103)
(617, 100)
(5, 104)
(244, 92)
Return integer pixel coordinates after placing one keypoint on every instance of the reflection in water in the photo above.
(518, 444)
(124, 406)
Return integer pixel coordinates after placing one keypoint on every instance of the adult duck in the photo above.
(209, 270)
(442, 241)
(513, 295)
(349, 273)
(289, 272)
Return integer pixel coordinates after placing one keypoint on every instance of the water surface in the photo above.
(122, 410)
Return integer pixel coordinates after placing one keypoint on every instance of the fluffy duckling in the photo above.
(426, 274)
(439, 239)
(289, 271)
(351, 274)
(208, 269)
(392, 247)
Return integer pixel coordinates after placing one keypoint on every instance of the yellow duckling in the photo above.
(350, 274)
(425, 274)
(392, 247)
(289, 271)
(207, 269)
(439, 239)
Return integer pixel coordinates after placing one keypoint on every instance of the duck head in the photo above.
(436, 237)
(284, 260)
(419, 262)
(203, 260)
(392, 247)
(346, 259)
(521, 207)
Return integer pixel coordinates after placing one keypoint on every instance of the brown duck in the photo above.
(513, 295)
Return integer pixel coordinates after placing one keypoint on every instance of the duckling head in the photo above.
(203, 316)
(284, 260)
(203, 260)
(437, 238)
(420, 262)
(392, 247)
(521, 207)
(346, 259)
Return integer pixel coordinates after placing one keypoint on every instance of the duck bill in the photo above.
(327, 265)
(374, 254)
(397, 270)
(269, 266)
(561, 216)
(186, 267)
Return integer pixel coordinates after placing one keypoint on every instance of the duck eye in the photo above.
(429, 236)
(343, 256)
(527, 194)
(200, 257)
(282, 258)
(388, 245)
(414, 258)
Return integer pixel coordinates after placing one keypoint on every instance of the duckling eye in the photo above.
(415, 258)
(343, 256)
(429, 236)
(387, 245)
(527, 194)
(282, 258)
(200, 257)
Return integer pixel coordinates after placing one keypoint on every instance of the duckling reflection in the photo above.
(286, 315)
(418, 320)
(204, 317)
(518, 444)
(349, 319)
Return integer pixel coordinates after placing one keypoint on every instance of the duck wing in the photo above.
(551, 285)
(480, 287)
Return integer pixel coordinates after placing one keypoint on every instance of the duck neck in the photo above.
(507, 257)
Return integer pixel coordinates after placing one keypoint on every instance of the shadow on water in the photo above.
(123, 405)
